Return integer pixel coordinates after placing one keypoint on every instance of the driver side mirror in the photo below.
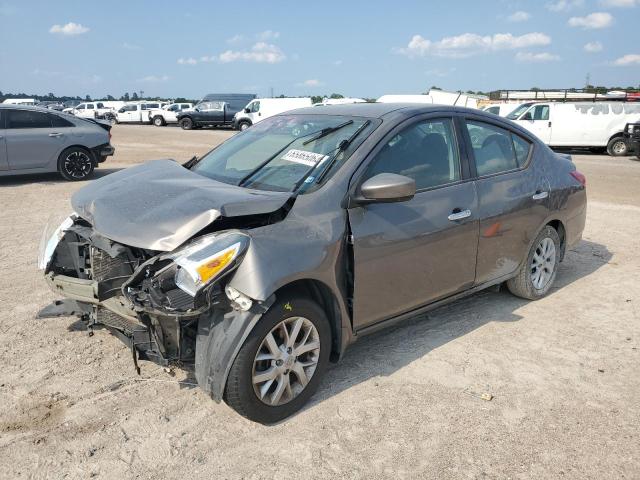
(246, 110)
(387, 188)
(527, 116)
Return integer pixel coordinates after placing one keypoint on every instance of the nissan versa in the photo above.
(263, 260)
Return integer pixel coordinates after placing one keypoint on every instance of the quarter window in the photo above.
(426, 151)
(493, 148)
(28, 119)
(57, 121)
(89, 106)
(522, 148)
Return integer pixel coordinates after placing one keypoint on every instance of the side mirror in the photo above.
(387, 188)
(527, 116)
(246, 110)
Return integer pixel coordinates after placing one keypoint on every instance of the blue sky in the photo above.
(364, 49)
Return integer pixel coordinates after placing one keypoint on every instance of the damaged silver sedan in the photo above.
(260, 262)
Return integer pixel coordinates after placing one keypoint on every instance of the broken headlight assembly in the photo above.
(51, 236)
(207, 258)
(184, 280)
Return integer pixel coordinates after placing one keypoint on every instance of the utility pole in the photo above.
(588, 80)
(271, 91)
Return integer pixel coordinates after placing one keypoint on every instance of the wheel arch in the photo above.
(559, 227)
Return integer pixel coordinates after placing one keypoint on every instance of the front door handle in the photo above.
(459, 215)
(55, 134)
(540, 195)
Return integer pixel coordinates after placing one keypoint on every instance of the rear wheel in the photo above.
(538, 272)
(75, 164)
(617, 147)
(186, 123)
(243, 126)
(281, 363)
(158, 121)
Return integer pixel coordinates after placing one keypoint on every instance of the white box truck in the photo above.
(598, 126)
(261, 108)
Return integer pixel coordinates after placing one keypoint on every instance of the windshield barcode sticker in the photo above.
(309, 159)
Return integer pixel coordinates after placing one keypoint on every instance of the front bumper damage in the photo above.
(112, 286)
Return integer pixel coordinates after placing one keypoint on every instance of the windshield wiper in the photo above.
(341, 148)
(326, 131)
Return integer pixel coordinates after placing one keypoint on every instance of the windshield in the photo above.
(519, 111)
(282, 151)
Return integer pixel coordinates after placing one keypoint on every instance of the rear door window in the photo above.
(59, 122)
(21, 119)
(493, 148)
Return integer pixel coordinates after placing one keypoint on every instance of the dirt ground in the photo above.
(404, 403)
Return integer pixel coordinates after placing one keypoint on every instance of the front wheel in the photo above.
(538, 272)
(281, 363)
(617, 147)
(158, 121)
(75, 164)
(186, 123)
(243, 126)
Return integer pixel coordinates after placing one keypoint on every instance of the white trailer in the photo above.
(261, 108)
(20, 101)
(594, 125)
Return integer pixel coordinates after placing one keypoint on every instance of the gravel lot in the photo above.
(404, 403)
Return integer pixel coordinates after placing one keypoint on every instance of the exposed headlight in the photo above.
(207, 258)
(51, 236)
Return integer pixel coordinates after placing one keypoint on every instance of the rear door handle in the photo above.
(459, 215)
(55, 134)
(540, 195)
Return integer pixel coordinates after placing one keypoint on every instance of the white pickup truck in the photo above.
(137, 112)
(168, 114)
(90, 110)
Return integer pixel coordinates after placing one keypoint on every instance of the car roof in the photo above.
(25, 107)
(378, 110)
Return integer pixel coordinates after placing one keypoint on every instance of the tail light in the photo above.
(579, 177)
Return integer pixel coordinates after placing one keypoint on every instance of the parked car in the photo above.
(167, 114)
(20, 101)
(598, 126)
(261, 108)
(51, 105)
(90, 110)
(38, 140)
(214, 110)
(263, 260)
(137, 112)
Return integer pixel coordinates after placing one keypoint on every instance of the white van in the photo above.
(594, 125)
(261, 108)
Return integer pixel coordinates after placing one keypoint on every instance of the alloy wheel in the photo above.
(77, 164)
(620, 147)
(543, 263)
(286, 361)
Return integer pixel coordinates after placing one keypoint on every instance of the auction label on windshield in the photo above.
(310, 159)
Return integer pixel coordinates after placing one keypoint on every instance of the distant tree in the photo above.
(110, 98)
(336, 95)
(125, 97)
(316, 99)
(433, 87)
(87, 98)
(51, 95)
(134, 96)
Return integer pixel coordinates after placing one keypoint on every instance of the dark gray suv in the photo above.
(263, 260)
(39, 140)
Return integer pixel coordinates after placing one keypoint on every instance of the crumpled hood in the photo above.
(160, 204)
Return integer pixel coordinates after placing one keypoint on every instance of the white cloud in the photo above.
(96, 78)
(593, 47)
(268, 35)
(519, 16)
(440, 72)
(619, 3)
(337, 63)
(208, 59)
(235, 39)
(631, 59)
(564, 5)
(153, 79)
(310, 83)
(130, 46)
(528, 57)
(69, 29)
(592, 21)
(471, 43)
(187, 61)
(261, 52)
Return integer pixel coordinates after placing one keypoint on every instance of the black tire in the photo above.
(239, 391)
(76, 164)
(186, 123)
(242, 126)
(158, 121)
(522, 284)
(617, 147)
